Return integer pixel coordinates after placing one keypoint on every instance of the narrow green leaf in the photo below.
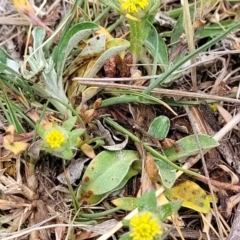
(168, 209)
(126, 203)
(74, 135)
(158, 49)
(69, 123)
(148, 202)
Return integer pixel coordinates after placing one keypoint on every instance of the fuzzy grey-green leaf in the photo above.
(159, 127)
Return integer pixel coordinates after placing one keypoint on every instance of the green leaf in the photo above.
(166, 172)
(91, 199)
(69, 124)
(215, 29)
(159, 127)
(188, 146)
(125, 237)
(4, 56)
(36, 60)
(66, 154)
(151, 42)
(148, 202)
(72, 37)
(74, 135)
(168, 209)
(126, 203)
(6, 60)
(175, 39)
(41, 131)
(107, 172)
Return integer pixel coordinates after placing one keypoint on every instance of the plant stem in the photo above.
(148, 148)
(114, 25)
(136, 39)
(100, 214)
(102, 14)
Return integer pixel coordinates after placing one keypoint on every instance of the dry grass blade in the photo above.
(159, 91)
(193, 123)
(188, 27)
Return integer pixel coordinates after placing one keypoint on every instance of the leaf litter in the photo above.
(31, 191)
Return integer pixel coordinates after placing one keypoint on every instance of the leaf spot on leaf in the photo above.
(90, 192)
(86, 179)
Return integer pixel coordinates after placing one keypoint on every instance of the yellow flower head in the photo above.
(54, 138)
(144, 226)
(131, 6)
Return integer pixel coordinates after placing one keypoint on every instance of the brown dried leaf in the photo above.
(97, 103)
(110, 67)
(88, 150)
(151, 168)
(87, 115)
(234, 177)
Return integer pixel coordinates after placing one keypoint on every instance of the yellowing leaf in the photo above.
(192, 196)
(88, 150)
(23, 7)
(89, 93)
(10, 133)
(210, 198)
(129, 16)
(105, 31)
(151, 168)
(10, 168)
(15, 147)
(26, 9)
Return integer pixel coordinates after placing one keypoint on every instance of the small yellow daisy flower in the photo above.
(131, 6)
(54, 138)
(144, 226)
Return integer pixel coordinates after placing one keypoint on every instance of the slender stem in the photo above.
(100, 214)
(114, 25)
(102, 14)
(148, 148)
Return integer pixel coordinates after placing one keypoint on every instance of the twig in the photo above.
(205, 171)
